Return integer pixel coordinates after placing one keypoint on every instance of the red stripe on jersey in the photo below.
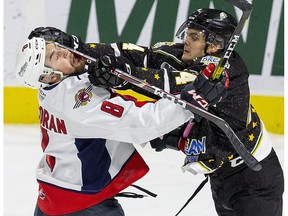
(53, 200)
(50, 160)
(45, 138)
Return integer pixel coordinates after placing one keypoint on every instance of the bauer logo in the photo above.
(23, 69)
(195, 147)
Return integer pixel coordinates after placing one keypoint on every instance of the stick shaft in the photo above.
(246, 8)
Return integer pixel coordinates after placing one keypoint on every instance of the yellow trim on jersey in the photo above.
(204, 166)
(171, 56)
(258, 141)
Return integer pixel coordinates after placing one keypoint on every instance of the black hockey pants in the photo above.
(250, 193)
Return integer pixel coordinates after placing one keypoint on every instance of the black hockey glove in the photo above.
(203, 91)
(172, 140)
(99, 72)
(51, 34)
(168, 141)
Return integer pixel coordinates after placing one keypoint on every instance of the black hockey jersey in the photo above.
(207, 148)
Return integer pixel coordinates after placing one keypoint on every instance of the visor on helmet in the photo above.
(217, 25)
(210, 36)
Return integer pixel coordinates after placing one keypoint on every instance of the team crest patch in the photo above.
(83, 97)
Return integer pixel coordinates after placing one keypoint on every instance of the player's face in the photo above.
(194, 45)
(62, 60)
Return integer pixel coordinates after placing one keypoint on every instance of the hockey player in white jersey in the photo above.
(236, 189)
(86, 133)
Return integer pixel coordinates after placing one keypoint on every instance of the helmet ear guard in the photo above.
(30, 64)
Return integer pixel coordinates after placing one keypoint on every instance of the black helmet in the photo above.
(217, 25)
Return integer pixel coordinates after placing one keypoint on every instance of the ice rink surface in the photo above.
(22, 153)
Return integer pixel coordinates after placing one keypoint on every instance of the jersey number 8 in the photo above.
(113, 109)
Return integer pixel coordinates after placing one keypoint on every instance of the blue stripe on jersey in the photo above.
(95, 161)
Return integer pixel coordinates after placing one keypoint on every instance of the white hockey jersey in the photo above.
(87, 133)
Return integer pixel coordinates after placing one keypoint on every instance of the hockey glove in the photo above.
(172, 140)
(99, 72)
(203, 91)
(51, 34)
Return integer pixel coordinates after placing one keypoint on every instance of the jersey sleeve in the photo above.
(140, 56)
(136, 54)
(90, 112)
(168, 79)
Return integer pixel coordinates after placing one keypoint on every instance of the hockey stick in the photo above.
(239, 147)
(246, 8)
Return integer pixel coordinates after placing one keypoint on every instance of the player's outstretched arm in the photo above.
(51, 34)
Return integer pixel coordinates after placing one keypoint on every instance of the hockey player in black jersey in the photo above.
(236, 189)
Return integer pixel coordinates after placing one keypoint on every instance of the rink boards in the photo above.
(21, 106)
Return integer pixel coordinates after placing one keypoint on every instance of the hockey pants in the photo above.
(250, 193)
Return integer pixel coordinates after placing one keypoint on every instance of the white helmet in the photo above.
(30, 61)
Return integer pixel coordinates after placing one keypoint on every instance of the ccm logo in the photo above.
(231, 46)
(200, 100)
